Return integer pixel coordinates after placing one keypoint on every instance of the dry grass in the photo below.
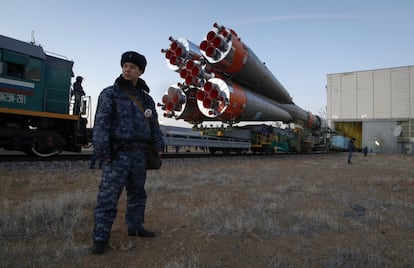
(282, 211)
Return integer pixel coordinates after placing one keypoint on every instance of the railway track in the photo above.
(14, 157)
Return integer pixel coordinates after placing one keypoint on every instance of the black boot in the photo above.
(141, 233)
(99, 247)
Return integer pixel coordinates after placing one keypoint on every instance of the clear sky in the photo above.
(301, 41)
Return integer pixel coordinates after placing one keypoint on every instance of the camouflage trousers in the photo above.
(127, 170)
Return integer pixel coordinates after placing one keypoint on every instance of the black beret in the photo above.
(135, 58)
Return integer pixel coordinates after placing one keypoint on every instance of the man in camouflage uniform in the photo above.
(120, 137)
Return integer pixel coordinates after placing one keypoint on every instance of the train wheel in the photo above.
(88, 145)
(45, 147)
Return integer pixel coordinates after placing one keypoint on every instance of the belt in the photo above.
(132, 148)
(117, 146)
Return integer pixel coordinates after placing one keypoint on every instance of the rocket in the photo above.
(223, 80)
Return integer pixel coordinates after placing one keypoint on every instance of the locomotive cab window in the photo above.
(33, 69)
(14, 64)
(30, 72)
(14, 69)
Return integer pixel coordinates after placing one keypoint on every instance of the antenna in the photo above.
(33, 39)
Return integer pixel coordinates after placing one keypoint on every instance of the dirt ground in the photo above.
(276, 211)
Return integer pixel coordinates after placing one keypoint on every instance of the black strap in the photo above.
(138, 103)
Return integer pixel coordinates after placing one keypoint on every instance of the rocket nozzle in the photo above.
(207, 103)
(196, 71)
(200, 95)
(212, 52)
(203, 45)
(173, 60)
(190, 64)
(208, 86)
(174, 45)
(169, 106)
(189, 80)
(183, 73)
(168, 54)
(210, 36)
(214, 93)
(220, 44)
(165, 99)
(179, 51)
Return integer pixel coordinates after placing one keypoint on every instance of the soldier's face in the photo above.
(131, 71)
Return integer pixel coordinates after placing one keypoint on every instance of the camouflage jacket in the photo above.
(119, 120)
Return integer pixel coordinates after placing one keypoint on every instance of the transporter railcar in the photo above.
(261, 138)
(35, 101)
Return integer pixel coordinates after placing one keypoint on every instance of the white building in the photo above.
(375, 106)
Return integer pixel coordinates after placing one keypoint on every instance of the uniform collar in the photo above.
(141, 85)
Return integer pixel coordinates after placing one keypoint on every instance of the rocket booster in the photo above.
(225, 51)
(230, 102)
(179, 52)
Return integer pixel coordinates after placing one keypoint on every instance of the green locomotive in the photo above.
(35, 101)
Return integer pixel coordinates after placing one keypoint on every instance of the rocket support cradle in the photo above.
(225, 81)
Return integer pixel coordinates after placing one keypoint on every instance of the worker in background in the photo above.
(351, 148)
(365, 151)
(78, 93)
